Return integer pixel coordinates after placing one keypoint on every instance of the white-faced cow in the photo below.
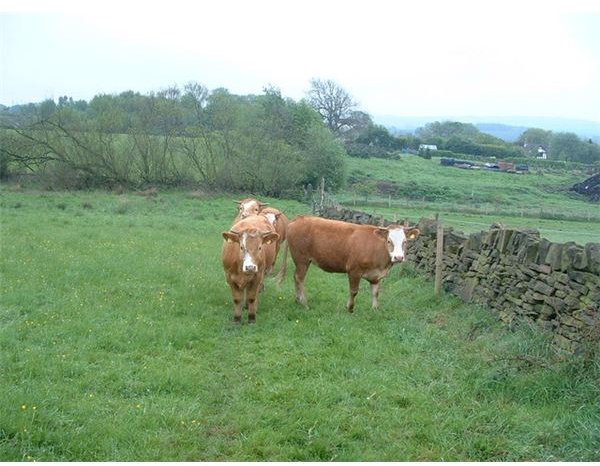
(361, 251)
(248, 252)
(249, 206)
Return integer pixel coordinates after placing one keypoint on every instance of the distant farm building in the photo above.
(427, 147)
(542, 153)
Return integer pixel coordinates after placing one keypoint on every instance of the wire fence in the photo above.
(323, 200)
(547, 213)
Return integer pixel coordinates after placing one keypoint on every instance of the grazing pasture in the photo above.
(471, 200)
(117, 344)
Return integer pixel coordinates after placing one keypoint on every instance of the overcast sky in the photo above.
(405, 58)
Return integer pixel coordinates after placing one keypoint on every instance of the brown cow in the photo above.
(249, 206)
(279, 221)
(361, 251)
(248, 252)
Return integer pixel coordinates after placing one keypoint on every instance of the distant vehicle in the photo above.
(506, 166)
(447, 162)
(457, 163)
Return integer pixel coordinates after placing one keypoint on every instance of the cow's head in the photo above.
(272, 217)
(249, 207)
(396, 238)
(250, 247)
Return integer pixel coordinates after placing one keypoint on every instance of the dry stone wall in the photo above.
(516, 273)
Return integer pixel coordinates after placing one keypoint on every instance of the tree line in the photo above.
(265, 144)
(363, 138)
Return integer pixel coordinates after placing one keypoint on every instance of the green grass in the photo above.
(117, 343)
(471, 200)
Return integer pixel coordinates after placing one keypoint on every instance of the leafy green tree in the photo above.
(461, 145)
(447, 129)
(379, 136)
(264, 144)
(358, 123)
(323, 157)
(107, 115)
(534, 138)
(47, 109)
(567, 146)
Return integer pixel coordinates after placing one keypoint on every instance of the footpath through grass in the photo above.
(117, 343)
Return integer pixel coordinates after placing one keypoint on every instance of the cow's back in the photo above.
(332, 245)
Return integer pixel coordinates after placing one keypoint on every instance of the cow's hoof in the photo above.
(237, 320)
(251, 319)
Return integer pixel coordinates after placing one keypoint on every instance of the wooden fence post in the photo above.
(439, 256)
(322, 196)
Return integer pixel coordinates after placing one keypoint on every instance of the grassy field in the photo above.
(117, 343)
(471, 201)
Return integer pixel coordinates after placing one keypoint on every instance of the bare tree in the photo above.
(333, 103)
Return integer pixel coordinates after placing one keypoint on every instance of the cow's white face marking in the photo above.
(248, 264)
(271, 218)
(249, 208)
(396, 243)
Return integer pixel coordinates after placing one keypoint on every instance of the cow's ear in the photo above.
(231, 236)
(269, 236)
(383, 232)
(412, 233)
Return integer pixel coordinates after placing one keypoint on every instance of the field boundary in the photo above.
(485, 210)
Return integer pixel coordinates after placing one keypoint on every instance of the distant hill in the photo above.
(507, 128)
(506, 132)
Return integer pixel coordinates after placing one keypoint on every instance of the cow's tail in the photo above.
(283, 270)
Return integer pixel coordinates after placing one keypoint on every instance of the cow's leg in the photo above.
(252, 300)
(354, 281)
(375, 295)
(299, 276)
(283, 269)
(237, 294)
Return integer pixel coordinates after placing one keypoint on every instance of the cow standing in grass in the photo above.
(249, 250)
(361, 251)
(251, 206)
